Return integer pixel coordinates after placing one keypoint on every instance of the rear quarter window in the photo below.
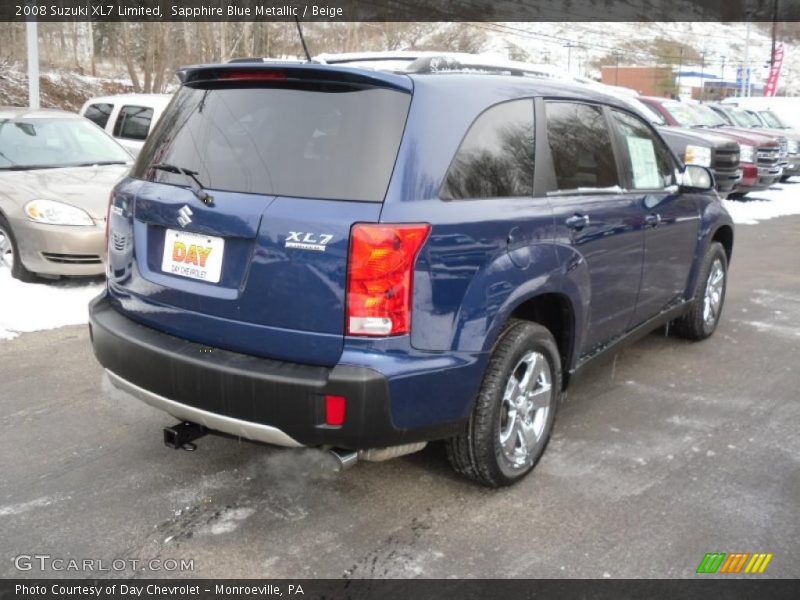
(330, 141)
(496, 157)
(133, 122)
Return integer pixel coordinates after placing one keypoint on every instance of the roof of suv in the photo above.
(495, 84)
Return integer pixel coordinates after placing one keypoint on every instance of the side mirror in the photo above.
(696, 179)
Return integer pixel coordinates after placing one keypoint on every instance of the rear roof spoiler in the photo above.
(293, 72)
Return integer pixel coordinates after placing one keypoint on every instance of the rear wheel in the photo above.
(709, 296)
(737, 195)
(9, 254)
(514, 412)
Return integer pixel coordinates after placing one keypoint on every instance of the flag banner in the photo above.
(774, 72)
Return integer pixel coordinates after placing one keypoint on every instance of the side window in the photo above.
(580, 144)
(133, 122)
(495, 158)
(648, 165)
(99, 113)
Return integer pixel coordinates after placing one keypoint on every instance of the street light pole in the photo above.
(32, 42)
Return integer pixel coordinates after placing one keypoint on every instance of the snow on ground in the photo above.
(779, 200)
(28, 307)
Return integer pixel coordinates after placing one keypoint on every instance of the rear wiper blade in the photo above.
(100, 163)
(191, 177)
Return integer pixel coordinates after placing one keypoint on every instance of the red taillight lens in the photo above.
(335, 410)
(379, 277)
(254, 75)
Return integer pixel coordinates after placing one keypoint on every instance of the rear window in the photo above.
(133, 122)
(99, 113)
(332, 142)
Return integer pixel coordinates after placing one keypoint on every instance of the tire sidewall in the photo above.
(716, 251)
(526, 337)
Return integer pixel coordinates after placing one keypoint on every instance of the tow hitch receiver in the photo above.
(181, 436)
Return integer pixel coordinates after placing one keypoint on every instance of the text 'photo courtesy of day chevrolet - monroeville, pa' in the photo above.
(455, 299)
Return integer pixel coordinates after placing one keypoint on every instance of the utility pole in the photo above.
(32, 41)
(745, 85)
(616, 69)
(569, 46)
(774, 32)
(680, 68)
(702, 76)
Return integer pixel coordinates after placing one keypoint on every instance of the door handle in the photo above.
(577, 222)
(653, 220)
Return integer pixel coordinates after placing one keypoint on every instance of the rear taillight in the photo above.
(379, 277)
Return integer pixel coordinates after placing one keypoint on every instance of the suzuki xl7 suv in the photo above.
(365, 261)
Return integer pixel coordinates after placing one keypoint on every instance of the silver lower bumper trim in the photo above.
(237, 427)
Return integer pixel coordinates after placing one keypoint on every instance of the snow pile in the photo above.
(778, 201)
(28, 307)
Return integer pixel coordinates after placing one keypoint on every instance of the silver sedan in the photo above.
(56, 172)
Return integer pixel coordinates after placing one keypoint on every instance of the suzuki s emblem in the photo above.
(307, 241)
(184, 216)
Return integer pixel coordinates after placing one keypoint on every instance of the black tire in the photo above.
(737, 195)
(694, 325)
(785, 178)
(476, 452)
(18, 271)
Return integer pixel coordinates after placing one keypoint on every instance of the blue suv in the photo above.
(365, 261)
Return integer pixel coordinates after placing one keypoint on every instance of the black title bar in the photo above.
(400, 10)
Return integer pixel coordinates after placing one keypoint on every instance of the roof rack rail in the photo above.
(260, 59)
(450, 64)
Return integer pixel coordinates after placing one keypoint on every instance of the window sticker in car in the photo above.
(643, 162)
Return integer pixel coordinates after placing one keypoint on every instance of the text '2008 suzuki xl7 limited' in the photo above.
(365, 261)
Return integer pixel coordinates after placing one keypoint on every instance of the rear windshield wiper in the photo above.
(100, 163)
(191, 177)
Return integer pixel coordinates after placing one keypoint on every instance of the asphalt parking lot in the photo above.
(667, 452)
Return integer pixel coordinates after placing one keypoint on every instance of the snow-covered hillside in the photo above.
(586, 42)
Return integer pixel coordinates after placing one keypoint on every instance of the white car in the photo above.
(129, 118)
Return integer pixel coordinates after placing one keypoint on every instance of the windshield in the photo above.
(706, 116)
(331, 142)
(771, 119)
(743, 119)
(682, 114)
(648, 112)
(52, 143)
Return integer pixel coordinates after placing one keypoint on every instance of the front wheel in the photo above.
(514, 412)
(709, 296)
(9, 254)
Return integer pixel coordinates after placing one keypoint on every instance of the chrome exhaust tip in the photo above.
(344, 458)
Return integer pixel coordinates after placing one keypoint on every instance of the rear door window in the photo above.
(133, 122)
(99, 113)
(647, 163)
(581, 148)
(495, 159)
(330, 141)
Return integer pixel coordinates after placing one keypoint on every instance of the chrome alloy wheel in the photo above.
(526, 404)
(6, 250)
(712, 301)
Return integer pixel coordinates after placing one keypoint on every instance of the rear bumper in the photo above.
(246, 396)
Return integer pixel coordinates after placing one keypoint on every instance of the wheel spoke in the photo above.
(508, 439)
(529, 377)
(527, 435)
(540, 397)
